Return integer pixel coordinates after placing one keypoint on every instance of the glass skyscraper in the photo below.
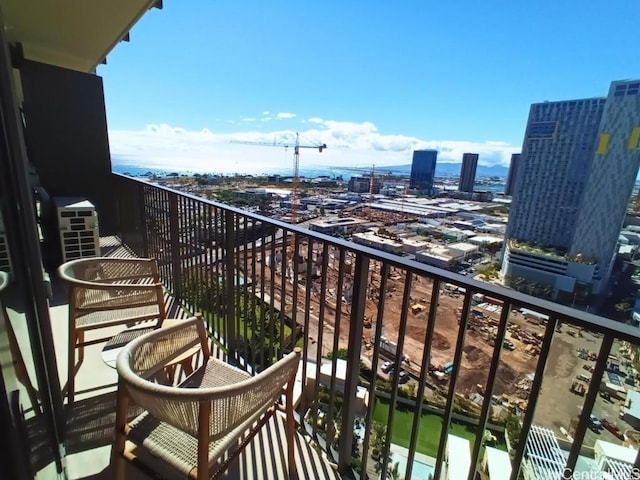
(468, 172)
(577, 169)
(423, 170)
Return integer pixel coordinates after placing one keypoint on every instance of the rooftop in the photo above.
(543, 454)
(617, 452)
(498, 464)
(548, 251)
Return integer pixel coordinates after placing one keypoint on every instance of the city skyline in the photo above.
(175, 96)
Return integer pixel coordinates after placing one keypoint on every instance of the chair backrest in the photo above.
(230, 404)
(147, 354)
(101, 283)
(107, 270)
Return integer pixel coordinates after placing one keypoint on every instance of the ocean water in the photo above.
(126, 167)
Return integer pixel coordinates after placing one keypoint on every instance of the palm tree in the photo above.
(379, 437)
(393, 473)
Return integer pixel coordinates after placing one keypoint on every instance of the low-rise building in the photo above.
(614, 460)
(548, 267)
(496, 464)
(324, 379)
(414, 244)
(455, 234)
(493, 228)
(486, 240)
(543, 457)
(335, 225)
(631, 409)
(373, 240)
(253, 192)
(462, 249)
(457, 458)
(438, 256)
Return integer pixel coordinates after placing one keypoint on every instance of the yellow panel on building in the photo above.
(635, 138)
(603, 145)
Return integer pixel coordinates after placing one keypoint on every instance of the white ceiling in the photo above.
(74, 34)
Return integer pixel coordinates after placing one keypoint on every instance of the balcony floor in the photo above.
(90, 420)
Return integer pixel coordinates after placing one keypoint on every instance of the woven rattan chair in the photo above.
(197, 427)
(104, 292)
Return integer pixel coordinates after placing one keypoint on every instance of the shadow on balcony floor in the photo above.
(90, 433)
(90, 421)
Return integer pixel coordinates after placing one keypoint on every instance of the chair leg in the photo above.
(71, 369)
(80, 347)
(290, 432)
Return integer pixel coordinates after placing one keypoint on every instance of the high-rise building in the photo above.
(513, 171)
(423, 170)
(468, 172)
(576, 172)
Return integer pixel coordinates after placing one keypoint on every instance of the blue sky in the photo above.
(373, 80)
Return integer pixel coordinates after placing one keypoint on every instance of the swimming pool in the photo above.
(420, 471)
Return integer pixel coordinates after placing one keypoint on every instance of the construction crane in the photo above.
(296, 166)
(372, 173)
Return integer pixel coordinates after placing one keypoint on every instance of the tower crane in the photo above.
(372, 176)
(296, 165)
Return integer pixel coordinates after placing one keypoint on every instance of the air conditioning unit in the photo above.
(78, 224)
(5, 258)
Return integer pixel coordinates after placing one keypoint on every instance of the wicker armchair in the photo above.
(104, 292)
(197, 427)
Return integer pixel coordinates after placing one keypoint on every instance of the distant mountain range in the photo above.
(444, 169)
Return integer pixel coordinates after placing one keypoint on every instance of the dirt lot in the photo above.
(556, 405)
(477, 349)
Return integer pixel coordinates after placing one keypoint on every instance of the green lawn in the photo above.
(428, 431)
(216, 320)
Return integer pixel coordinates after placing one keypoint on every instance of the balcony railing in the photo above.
(491, 365)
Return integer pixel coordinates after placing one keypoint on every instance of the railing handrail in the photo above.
(513, 298)
(230, 244)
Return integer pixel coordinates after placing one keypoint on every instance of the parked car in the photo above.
(594, 423)
(615, 431)
(387, 367)
(403, 376)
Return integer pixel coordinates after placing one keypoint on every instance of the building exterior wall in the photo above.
(556, 156)
(575, 176)
(423, 169)
(612, 177)
(468, 172)
(513, 172)
(559, 273)
(359, 184)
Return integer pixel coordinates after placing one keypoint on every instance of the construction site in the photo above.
(521, 345)
(567, 369)
(323, 315)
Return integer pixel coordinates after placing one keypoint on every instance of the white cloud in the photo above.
(286, 115)
(315, 120)
(249, 119)
(266, 113)
(348, 144)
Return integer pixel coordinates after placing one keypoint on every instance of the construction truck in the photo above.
(578, 388)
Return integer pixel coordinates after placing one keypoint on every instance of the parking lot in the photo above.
(557, 406)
